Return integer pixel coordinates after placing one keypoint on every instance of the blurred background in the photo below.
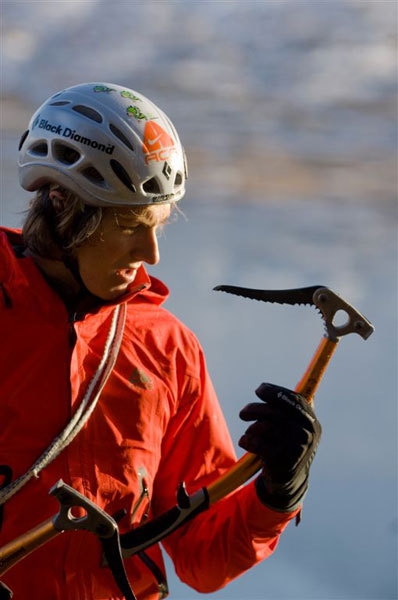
(288, 113)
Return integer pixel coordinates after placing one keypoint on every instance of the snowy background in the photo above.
(288, 114)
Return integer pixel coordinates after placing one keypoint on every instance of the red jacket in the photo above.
(157, 423)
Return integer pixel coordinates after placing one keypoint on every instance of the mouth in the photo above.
(128, 274)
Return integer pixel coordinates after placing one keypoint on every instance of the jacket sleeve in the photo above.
(222, 543)
(235, 533)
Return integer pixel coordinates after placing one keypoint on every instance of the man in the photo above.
(104, 388)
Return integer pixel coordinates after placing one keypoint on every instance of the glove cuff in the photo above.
(278, 499)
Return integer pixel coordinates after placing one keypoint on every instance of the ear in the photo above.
(56, 195)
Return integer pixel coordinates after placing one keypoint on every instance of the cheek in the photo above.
(99, 260)
(95, 268)
(98, 254)
(94, 261)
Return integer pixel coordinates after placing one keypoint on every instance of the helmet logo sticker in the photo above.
(167, 170)
(72, 134)
(157, 144)
(134, 111)
(102, 88)
(129, 95)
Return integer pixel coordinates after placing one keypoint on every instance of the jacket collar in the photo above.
(12, 272)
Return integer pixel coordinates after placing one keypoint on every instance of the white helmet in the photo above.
(107, 143)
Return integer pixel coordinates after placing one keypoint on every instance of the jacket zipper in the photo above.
(156, 571)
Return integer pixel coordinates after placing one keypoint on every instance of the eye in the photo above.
(126, 228)
(130, 230)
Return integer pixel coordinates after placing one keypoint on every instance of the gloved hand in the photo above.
(285, 435)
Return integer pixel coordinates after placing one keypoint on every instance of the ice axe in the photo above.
(328, 304)
(94, 520)
(188, 506)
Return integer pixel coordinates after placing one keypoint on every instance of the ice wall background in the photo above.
(288, 114)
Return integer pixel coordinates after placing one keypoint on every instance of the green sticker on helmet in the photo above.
(102, 88)
(134, 111)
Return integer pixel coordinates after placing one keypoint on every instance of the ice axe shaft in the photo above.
(329, 304)
(17, 549)
(312, 377)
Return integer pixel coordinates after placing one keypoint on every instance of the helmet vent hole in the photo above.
(122, 174)
(39, 149)
(88, 112)
(93, 175)
(178, 179)
(151, 186)
(65, 154)
(121, 136)
(23, 138)
(60, 103)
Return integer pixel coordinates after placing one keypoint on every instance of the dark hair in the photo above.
(57, 223)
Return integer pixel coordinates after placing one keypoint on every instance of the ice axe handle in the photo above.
(12, 552)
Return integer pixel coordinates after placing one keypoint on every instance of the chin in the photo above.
(114, 293)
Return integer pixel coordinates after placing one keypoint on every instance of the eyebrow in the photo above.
(141, 217)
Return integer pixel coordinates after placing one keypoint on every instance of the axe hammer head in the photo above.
(325, 301)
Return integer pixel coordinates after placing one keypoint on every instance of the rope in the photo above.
(85, 410)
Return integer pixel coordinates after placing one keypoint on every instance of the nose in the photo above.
(148, 247)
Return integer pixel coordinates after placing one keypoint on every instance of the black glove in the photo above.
(285, 436)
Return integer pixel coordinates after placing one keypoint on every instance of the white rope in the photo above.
(85, 409)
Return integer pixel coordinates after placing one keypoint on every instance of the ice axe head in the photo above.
(327, 302)
(93, 519)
